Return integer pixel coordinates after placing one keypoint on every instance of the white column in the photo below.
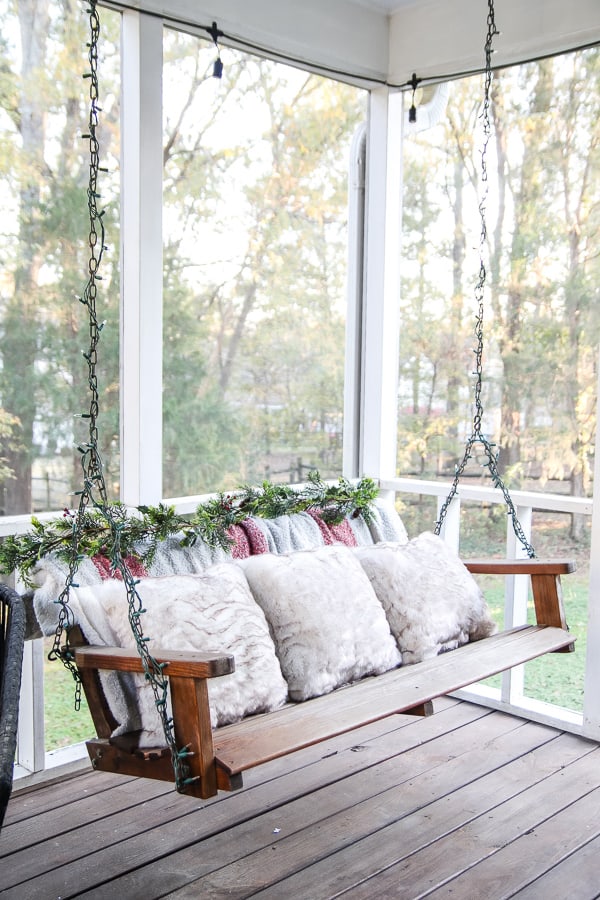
(517, 586)
(141, 260)
(382, 284)
(450, 530)
(516, 593)
(353, 369)
(591, 694)
(30, 733)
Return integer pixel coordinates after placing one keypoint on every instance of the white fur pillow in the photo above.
(431, 600)
(327, 624)
(213, 611)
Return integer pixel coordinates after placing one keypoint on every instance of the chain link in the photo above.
(94, 493)
(477, 438)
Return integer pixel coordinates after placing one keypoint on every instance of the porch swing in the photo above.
(197, 757)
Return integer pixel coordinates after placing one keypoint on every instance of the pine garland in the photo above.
(143, 528)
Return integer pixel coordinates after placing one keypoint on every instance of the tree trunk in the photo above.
(456, 311)
(19, 342)
(514, 384)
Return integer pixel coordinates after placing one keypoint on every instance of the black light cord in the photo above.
(236, 41)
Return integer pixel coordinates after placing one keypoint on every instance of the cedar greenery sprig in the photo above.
(142, 529)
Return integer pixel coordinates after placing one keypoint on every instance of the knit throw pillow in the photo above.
(431, 600)
(328, 626)
(213, 611)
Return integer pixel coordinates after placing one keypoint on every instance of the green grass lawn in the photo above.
(557, 677)
(63, 724)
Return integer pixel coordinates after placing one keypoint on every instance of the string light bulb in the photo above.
(215, 34)
(412, 112)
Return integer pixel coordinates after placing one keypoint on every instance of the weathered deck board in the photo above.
(535, 843)
(127, 839)
(579, 871)
(60, 804)
(455, 863)
(466, 803)
(234, 867)
(431, 808)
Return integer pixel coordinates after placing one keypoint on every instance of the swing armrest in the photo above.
(545, 584)
(178, 663)
(520, 566)
(187, 673)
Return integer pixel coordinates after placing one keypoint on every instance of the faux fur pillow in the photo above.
(327, 624)
(431, 600)
(213, 611)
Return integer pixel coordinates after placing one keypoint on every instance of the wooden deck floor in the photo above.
(468, 803)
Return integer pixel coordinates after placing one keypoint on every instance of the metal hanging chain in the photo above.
(94, 493)
(477, 438)
(90, 458)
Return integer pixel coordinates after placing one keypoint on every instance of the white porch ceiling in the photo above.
(387, 6)
(382, 41)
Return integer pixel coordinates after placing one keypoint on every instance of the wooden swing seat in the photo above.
(221, 756)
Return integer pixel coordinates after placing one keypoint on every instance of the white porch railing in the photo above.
(511, 695)
(34, 761)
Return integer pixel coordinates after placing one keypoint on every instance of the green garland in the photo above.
(142, 529)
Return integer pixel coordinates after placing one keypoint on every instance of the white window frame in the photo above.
(372, 354)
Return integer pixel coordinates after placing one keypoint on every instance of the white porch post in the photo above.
(30, 734)
(450, 531)
(591, 694)
(516, 593)
(382, 285)
(141, 255)
(353, 370)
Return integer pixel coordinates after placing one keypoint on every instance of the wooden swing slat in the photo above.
(262, 738)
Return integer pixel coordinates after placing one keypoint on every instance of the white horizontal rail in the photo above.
(10, 525)
(486, 494)
(13, 525)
